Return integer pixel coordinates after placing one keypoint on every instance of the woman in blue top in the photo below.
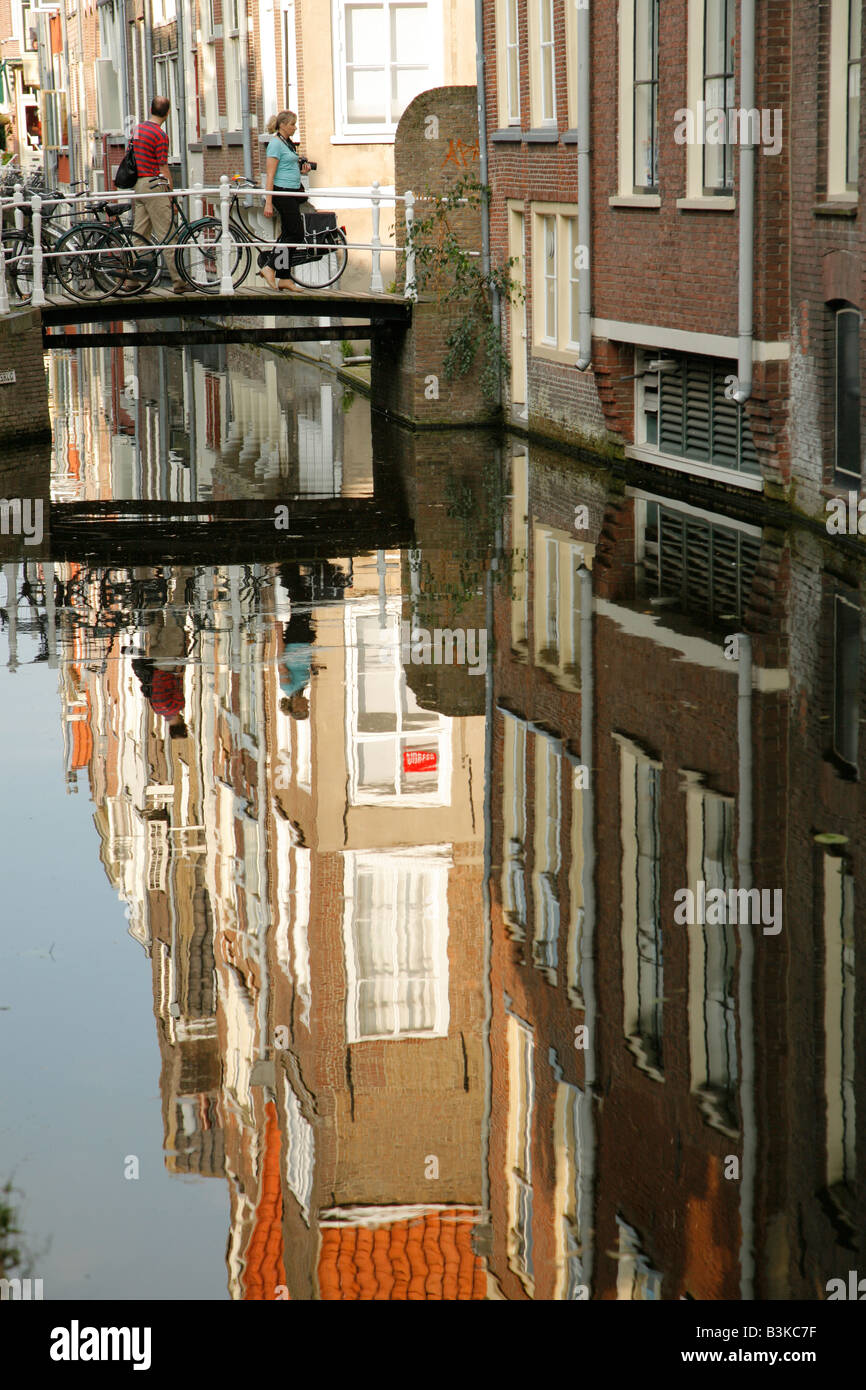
(283, 169)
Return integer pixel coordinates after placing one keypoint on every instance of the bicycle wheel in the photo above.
(199, 256)
(329, 263)
(18, 260)
(92, 261)
(141, 262)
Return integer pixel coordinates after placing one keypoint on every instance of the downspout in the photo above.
(584, 196)
(120, 22)
(149, 76)
(245, 91)
(181, 95)
(588, 946)
(747, 207)
(481, 94)
(746, 973)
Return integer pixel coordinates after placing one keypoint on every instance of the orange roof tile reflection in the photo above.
(429, 1257)
(264, 1271)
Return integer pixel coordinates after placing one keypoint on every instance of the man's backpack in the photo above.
(126, 174)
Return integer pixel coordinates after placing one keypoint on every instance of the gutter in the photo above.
(747, 208)
(584, 195)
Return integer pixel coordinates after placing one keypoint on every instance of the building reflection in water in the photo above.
(573, 1095)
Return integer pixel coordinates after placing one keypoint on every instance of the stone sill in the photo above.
(543, 135)
(836, 209)
(510, 134)
(720, 204)
(570, 137)
(235, 137)
(636, 200)
(214, 141)
(694, 468)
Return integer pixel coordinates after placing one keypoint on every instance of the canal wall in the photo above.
(23, 388)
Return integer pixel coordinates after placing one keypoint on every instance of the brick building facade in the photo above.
(659, 244)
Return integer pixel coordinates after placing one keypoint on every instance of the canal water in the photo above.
(430, 862)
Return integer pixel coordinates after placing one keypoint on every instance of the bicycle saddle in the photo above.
(112, 209)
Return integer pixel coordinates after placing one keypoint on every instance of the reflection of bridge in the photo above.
(370, 314)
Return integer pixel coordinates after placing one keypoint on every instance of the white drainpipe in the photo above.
(584, 197)
(747, 207)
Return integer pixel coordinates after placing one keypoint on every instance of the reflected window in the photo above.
(519, 550)
(514, 825)
(576, 894)
(396, 941)
(712, 959)
(567, 1149)
(707, 569)
(840, 1037)
(521, 1106)
(558, 560)
(398, 752)
(547, 858)
(643, 961)
(300, 1151)
(847, 386)
(635, 1277)
(846, 681)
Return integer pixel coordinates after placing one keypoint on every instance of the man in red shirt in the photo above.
(153, 215)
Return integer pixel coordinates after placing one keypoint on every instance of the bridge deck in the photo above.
(376, 308)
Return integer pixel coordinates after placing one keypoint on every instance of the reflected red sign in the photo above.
(416, 760)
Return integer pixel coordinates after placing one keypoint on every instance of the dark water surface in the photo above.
(430, 864)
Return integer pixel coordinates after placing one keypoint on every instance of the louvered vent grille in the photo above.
(698, 422)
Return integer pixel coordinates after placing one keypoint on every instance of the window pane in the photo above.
(376, 765)
(546, 21)
(715, 14)
(644, 172)
(406, 83)
(848, 392)
(408, 33)
(365, 34)
(853, 148)
(643, 40)
(846, 712)
(547, 75)
(365, 96)
(513, 84)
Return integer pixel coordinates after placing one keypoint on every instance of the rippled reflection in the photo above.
(469, 980)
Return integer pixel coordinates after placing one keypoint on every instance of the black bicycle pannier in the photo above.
(318, 227)
(126, 174)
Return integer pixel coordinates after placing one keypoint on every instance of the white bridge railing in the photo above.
(374, 196)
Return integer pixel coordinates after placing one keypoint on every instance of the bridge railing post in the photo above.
(38, 296)
(226, 284)
(411, 287)
(377, 284)
(4, 293)
(18, 200)
(196, 258)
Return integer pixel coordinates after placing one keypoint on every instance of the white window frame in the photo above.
(560, 346)
(232, 63)
(381, 132)
(507, 56)
(625, 126)
(435, 862)
(838, 187)
(165, 82)
(542, 103)
(547, 853)
(571, 55)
